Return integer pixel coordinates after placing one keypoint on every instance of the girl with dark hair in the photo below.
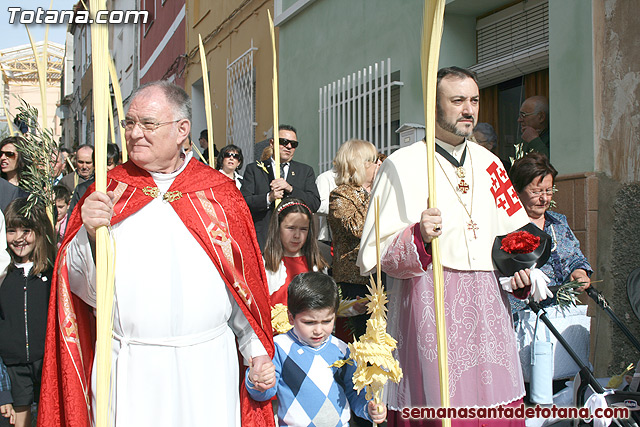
(230, 160)
(24, 298)
(291, 248)
(11, 161)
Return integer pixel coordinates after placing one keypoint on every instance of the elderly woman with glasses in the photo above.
(11, 162)
(533, 177)
(229, 160)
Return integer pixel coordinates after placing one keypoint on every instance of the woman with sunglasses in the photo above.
(11, 162)
(229, 160)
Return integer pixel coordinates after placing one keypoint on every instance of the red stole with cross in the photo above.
(213, 210)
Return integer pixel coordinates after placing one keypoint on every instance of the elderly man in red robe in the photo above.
(189, 285)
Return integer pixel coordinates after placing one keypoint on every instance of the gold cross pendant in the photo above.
(472, 226)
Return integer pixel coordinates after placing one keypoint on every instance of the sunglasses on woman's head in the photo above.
(232, 155)
(9, 154)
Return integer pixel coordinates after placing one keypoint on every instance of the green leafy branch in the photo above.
(567, 294)
(39, 151)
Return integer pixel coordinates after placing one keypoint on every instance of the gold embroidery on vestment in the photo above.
(169, 196)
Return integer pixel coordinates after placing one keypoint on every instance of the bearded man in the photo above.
(476, 203)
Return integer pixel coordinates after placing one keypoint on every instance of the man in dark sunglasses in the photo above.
(261, 189)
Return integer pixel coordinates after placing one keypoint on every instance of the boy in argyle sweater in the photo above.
(309, 391)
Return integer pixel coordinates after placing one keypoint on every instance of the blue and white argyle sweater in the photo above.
(310, 393)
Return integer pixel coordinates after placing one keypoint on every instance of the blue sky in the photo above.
(16, 34)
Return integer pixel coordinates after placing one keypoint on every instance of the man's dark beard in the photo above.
(451, 127)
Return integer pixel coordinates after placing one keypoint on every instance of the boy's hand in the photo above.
(7, 411)
(378, 413)
(262, 373)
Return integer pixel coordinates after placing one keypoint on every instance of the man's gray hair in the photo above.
(176, 96)
(541, 104)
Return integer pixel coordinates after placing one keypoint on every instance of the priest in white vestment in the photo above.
(476, 203)
(188, 278)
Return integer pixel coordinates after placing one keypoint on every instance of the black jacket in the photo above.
(16, 324)
(8, 193)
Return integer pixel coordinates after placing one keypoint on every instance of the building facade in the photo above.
(20, 82)
(162, 41)
(237, 42)
(342, 61)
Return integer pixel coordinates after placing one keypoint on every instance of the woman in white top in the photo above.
(228, 161)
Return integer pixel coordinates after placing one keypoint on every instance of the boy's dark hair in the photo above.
(62, 193)
(312, 291)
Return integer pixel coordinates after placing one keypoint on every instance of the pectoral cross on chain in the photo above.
(472, 226)
(463, 187)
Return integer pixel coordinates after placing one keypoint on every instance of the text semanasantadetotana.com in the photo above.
(43, 16)
(513, 412)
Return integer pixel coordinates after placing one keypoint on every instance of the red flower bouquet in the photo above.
(526, 247)
(520, 242)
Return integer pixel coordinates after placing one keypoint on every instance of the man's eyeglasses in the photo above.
(522, 114)
(232, 155)
(9, 154)
(284, 142)
(129, 124)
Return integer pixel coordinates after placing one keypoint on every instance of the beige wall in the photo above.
(617, 151)
(232, 31)
(617, 89)
(577, 199)
(31, 94)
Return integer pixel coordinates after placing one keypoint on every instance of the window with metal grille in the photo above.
(512, 42)
(364, 105)
(241, 103)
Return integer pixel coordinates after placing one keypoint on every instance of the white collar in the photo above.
(25, 266)
(159, 176)
(455, 150)
(273, 162)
